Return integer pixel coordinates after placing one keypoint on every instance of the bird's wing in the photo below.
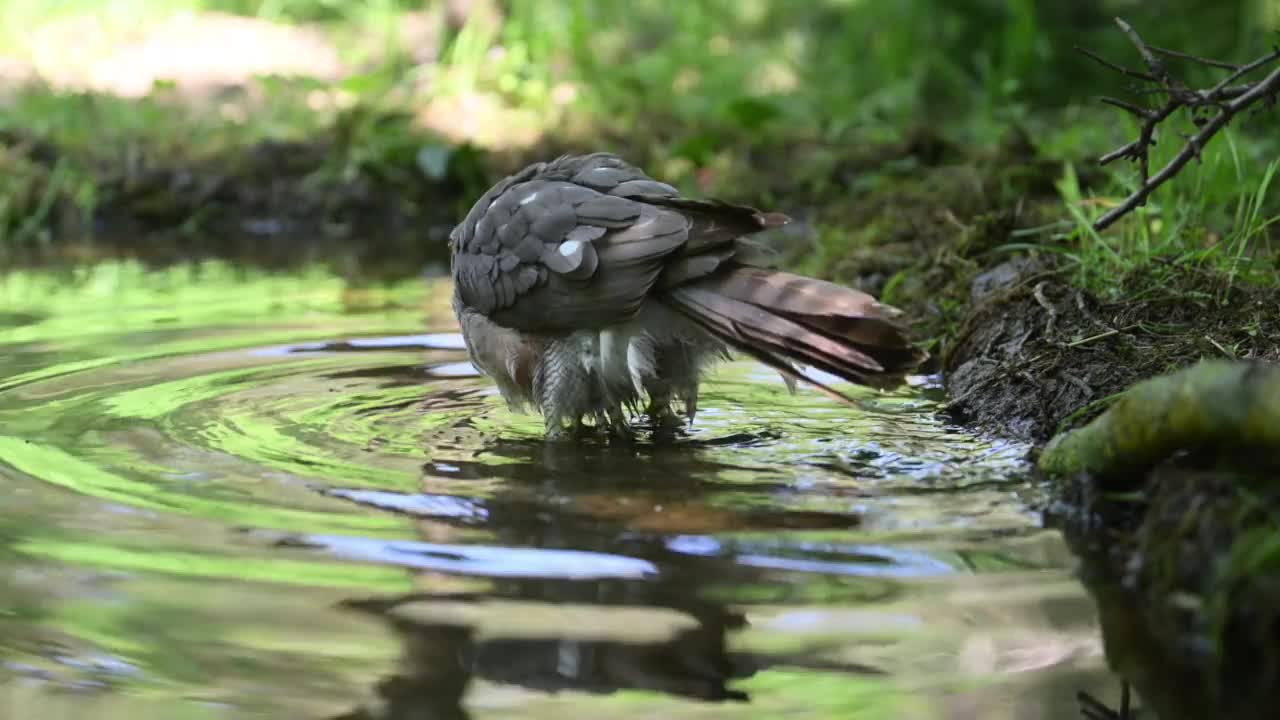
(580, 242)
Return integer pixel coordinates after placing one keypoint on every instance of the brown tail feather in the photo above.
(837, 312)
(779, 318)
(791, 375)
(760, 327)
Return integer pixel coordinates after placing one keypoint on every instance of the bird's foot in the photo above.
(614, 422)
(558, 433)
(558, 430)
(663, 420)
(614, 425)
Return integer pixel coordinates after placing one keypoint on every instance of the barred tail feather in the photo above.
(779, 319)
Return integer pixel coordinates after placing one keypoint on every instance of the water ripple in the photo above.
(175, 454)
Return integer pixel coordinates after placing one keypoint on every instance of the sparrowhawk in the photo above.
(586, 289)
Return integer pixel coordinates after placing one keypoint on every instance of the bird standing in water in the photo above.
(584, 288)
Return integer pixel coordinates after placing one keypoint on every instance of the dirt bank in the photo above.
(1034, 352)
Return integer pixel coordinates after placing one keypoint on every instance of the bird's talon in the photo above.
(664, 421)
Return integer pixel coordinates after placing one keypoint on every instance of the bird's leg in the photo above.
(555, 430)
(662, 419)
(679, 369)
(558, 387)
(557, 424)
(619, 428)
(564, 429)
(611, 421)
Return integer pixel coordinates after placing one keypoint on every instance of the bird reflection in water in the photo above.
(683, 652)
(545, 631)
(440, 657)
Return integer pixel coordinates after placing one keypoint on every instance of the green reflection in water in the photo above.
(275, 570)
(160, 431)
(58, 467)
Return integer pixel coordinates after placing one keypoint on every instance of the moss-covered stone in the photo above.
(1220, 404)
(1170, 499)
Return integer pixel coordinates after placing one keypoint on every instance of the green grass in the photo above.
(1217, 216)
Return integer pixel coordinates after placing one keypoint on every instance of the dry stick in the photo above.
(1138, 148)
(1229, 99)
(1269, 86)
(1156, 67)
(1138, 75)
(1240, 72)
(1140, 112)
(1195, 58)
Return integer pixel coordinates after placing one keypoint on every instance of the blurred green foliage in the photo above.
(693, 90)
(828, 64)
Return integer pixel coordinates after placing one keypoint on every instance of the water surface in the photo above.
(231, 494)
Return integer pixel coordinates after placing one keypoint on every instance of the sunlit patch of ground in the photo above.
(216, 57)
(199, 52)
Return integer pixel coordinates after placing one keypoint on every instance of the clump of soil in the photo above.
(1034, 351)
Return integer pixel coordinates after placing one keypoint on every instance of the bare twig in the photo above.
(1153, 63)
(1118, 68)
(1225, 100)
(1224, 351)
(1270, 87)
(1233, 91)
(1038, 294)
(1244, 70)
(1194, 58)
(1092, 708)
(1218, 91)
(1091, 338)
(1141, 112)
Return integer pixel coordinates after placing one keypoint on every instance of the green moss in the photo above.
(1220, 405)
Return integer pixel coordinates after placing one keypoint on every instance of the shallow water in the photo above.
(236, 495)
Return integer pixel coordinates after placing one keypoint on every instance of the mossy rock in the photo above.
(1171, 499)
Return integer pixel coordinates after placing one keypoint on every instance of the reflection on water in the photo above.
(579, 647)
(233, 494)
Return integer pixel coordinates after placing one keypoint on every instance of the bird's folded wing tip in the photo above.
(772, 219)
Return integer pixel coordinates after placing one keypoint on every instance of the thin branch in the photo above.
(1234, 91)
(1118, 68)
(1268, 87)
(1153, 64)
(1226, 93)
(1138, 149)
(1227, 97)
(1141, 112)
(1194, 58)
(1243, 70)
